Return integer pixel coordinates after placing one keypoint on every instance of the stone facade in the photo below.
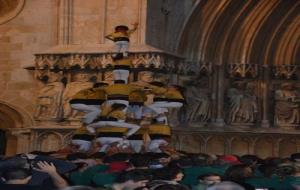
(233, 59)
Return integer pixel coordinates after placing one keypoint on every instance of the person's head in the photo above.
(119, 82)
(118, 157)
(250, 160)
(121, 28)
(226, 185)
(16, 176)
(140, 160)
(171, 187)
(228, 159)
(132, 179)
(238, 172)
(157, 83)
(100, 84)
(295, 157)
(169, 173)
(209, 179)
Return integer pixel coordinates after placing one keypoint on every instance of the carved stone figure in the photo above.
(242, 104)
(199, 105)
(287, 105)
(49, 98)
(198, 100)
(81, 82)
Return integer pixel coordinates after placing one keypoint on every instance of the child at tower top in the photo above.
(121, 38)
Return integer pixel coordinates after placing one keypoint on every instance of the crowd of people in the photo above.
(148, 171)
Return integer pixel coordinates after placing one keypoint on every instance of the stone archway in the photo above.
(14, 129)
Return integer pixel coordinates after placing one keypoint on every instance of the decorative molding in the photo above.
(9, 9)
(242, 70)
(286, 71)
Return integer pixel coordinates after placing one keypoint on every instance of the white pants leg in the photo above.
(84, 146)
(122, 46)
(92, 111)
(155, 144)
(107, 141)
(121, 74)
(136, 145)
(125, 102)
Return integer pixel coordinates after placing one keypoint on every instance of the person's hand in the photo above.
(46, 167)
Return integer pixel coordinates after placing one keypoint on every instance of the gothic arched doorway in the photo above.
(13, 121)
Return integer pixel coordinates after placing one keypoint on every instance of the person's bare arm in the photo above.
(50, 169)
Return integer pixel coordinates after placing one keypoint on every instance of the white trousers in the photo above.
(92, 112)
(136, 145)
(125, 102)
(121, 74)
(122, 46)
(155, 144)
(84, 146)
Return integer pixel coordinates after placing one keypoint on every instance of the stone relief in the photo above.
(287, 104)
(198, 100)
(242, 107)
(80, 81)
(49, 98)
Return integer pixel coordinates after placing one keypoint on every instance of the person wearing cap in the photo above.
(89, 101)
(82, 139)
(121, 38)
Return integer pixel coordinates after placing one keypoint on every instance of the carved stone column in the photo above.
(265, 97)
(220, 97)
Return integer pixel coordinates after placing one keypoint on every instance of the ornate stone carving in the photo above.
(242, 70)
(242, 104)
(10, 9)
(285, 71)
(287, 112)
(198, 100)
(49, 98)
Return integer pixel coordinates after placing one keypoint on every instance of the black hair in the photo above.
(16, 173)
(295, 156)
(171, 187)
(118, 56)
(140, 160)
(249, 160)
(167, 173)
(75, 156)
(119, 82)
(118, 157)
(236, 173)
(208, 175)
(98, 155)
(156, 83)
(135, 175)
(124, 27)
(99, 84)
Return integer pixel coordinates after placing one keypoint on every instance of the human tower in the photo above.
(125, 115)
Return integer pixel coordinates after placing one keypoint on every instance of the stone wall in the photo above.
(165, 20)
(30, 31)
